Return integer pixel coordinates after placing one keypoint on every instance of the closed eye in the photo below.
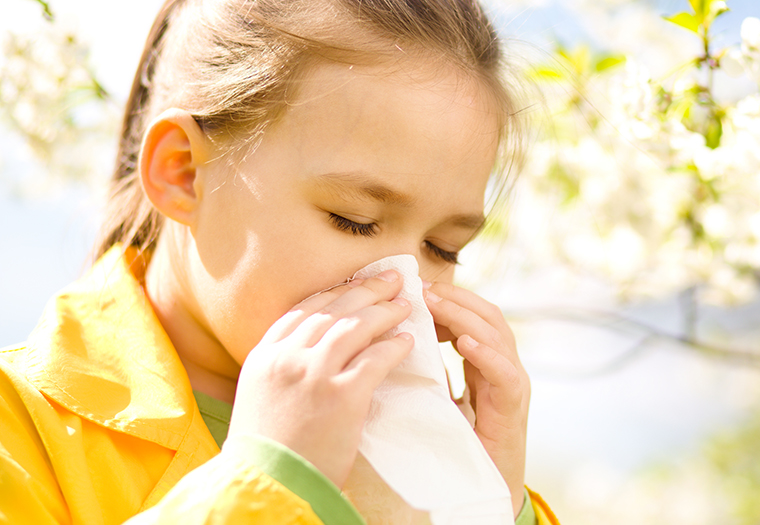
(370, 230)
(449, 257)
(355, 228)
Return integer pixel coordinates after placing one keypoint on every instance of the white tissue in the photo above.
(416, 439)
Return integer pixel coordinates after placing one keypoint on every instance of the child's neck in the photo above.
(209, 366)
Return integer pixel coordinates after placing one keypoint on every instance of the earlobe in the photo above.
(173, 148)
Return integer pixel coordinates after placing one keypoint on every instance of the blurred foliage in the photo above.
(703, 14)
(721, 480)
(734, 458)
(653, 182)
(51, 99)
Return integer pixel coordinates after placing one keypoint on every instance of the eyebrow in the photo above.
(470, 222)
(360, 185)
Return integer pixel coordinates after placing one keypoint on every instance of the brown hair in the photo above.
(231, 64)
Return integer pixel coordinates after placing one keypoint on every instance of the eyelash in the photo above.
(370, 230)
(449, 257)
(355, 228)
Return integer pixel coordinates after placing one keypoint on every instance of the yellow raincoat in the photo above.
(98, 424)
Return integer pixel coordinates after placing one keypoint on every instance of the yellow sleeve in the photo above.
(29, 493)
(225, 490)
(246, 483)
(544, 515)
(56, 468)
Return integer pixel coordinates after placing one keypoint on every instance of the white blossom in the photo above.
(641, 199)
(750, 32)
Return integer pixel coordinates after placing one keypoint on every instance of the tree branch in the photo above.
(622, 324)
(46, 12)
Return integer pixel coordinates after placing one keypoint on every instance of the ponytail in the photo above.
(129, 217)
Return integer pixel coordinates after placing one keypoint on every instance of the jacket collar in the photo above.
(100, 352)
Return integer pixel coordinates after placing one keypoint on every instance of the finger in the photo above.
(352, 334)
(495, 368)
(470, 300)
(460, 321)
(284, 326)
(370, 367)
(383, 287)
(472, 377)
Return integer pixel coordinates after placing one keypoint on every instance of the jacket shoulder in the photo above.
(12, 348)
(12, 352)
(14, 361)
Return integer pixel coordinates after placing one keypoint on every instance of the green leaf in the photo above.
(700, 7)
(685, 20)
(565, 182)
(581, 59)
(714, 132)
(680, 109)
(545, 73)
(608, 62)
(578, 59)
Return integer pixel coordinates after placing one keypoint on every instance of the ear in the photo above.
(173, 148)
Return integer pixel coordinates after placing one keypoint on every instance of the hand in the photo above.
(309, 382)
(499, 386)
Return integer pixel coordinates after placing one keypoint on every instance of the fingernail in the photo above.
(389, 276)
(401, 301)
(406, 336)
(426, 284)
(467, 341)
(430, 296)
(355, 282)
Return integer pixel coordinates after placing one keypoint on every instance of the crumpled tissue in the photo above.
(419, 459)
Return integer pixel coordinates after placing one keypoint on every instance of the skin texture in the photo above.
(366, 162)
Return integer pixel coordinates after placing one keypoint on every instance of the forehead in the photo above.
(423, 99)
(409, 119)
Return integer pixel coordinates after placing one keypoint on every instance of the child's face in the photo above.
(364, 164)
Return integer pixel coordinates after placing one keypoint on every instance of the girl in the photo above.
(270, 149)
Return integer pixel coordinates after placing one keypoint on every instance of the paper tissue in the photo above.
(420, 461)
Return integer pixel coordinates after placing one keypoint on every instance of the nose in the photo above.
(429, 269)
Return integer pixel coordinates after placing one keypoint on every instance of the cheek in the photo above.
(434, 273)
(222, 232)
(268, 280)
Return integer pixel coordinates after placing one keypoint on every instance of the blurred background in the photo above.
(628, 261)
